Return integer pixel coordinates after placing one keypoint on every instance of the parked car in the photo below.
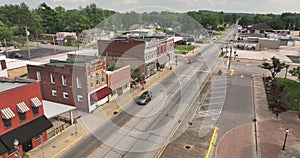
(15, 55)
(144, 98)
(44, 42)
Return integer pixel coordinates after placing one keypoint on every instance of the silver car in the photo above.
(144, 98)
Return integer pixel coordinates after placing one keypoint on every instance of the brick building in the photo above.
(77, 83)
(118, 81)
(23, 121)
(12, 68)
(142, 53)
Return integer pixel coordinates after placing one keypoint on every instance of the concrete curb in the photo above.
(68, 146)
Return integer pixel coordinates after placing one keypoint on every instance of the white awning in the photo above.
(52, 109)
(35, 102)
(22, 107)
(7, 113)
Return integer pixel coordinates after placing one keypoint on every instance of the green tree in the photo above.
(60, 16)
(275, 67)
(48, 16)
(276, 23)
(70, 40)
(5, 33)
(296, 72)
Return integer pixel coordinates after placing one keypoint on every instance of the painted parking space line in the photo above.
(217, 92)
(213, 103)
(223, 87)
(216, 97)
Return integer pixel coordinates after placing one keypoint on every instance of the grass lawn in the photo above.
(25, 47)
(291, 89)
(184, 48)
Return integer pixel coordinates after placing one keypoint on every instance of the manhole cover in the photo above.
(187, 147)
(53, 146)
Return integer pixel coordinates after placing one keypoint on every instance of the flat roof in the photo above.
(53, 109)
(15, 63)
(86, 52)
(63, 63)
(8, 85)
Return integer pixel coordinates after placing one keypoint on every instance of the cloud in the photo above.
(188, 1)
(280, 1)
(130, 2)
(71, 1)
(223, 2)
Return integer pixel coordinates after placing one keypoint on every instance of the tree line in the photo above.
(47, 20)
(284, 21)
(290, 21)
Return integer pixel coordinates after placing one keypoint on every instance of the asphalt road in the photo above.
(145, 134)
(150, 127)
(38, 52)
(140, 131)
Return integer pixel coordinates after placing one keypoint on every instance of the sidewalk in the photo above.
(271, 130)
(63, 141)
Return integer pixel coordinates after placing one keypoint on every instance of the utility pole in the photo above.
(230, 58)
(54, 44)
(27, 34)
(5, 44)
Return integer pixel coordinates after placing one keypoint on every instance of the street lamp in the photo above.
(16, 146)
(230, 58)
(27, 39)
(75, 122)
(143, 81)
(286, 134)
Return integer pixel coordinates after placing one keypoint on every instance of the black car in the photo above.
(44, 42)
(15, 55)
(144, 98)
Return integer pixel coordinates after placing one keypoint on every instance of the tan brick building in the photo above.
(77, 83)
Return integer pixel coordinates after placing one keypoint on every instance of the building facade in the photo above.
(23, 125)
(119, 81)
(77, 83)
(142, 53)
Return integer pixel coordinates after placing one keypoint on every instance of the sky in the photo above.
(232, 6)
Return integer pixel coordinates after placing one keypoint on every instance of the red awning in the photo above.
(100, 94)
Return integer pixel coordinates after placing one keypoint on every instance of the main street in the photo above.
(140, 131)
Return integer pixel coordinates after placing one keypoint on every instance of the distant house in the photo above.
(142, 32)
(48, 37)
(135, 26)
(60, 36)
(91, 36)
(259, 28)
